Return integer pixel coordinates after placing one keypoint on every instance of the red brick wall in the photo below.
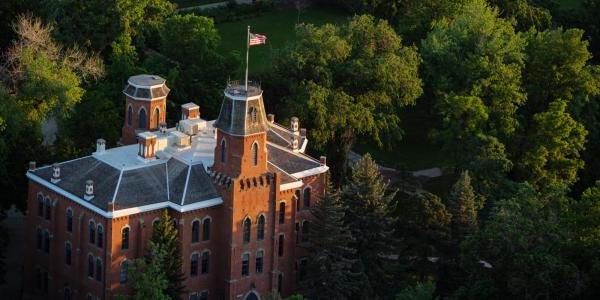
(128, 135)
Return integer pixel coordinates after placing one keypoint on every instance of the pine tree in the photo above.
(463, 204)
(165, 238)
(330, 274)
(367, 203)
(148, 278)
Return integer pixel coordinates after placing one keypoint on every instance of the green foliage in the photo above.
(165, 239)
(463, 204)
(349, 81)
(421, 291)
(368, 204)
(148, 278)
(330, 273)
(527, 13)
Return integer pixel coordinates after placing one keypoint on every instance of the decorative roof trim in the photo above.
(242, 98)
(291, 185)
(310, 172)
(127, 211)
(187, 180)
(118, 185)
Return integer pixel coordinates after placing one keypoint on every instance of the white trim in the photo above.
(167, 178)
(117, 187)
(311, 172)
(127, 211)
(304, 144)
(291, 185)
(187, 180)
(242, 98)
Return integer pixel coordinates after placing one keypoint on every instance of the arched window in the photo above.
(253, 115)
(255, 154)
(67, 293)
(125, 238)
(68, 251)
(205, 260)
(297, 231)
(297, 199)
(279, 282)
(281, 212)
(92, 232)
(245, 264)
(69, 220)
(206, 229)
(156, 118)
(123, 272)
(247, 228)
(142, 119)
(129, 115)
(48, 208)
(306, 198)
(90, 266)
(40, 200)
(260, 230)
(39, 239)
(46, 241)
(259, 261)
(223, 151)
(303, 266)
(100, 239)
(281, 242)
(305, 231)
(194, 265)
(195, 231)
(98, 269)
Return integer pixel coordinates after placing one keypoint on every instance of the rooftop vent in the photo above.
(32, 165)
(323, 160)
(303, 132)
(89, 190)
(55, 173)
(100, 146)
(271, 118)
(190, 111)
(294, 124)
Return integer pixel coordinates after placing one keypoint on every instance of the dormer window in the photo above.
(253, 115)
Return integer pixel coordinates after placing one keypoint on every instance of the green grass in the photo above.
(190, 3)
(569, 4)
(278, 26)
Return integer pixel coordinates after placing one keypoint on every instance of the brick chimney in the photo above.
(190, 111)
(31, 165)
(323, 160)
(295, 124)
(271, 118)
(295, 141)
(55, 173)
(147, 145)
(303, 132)
(89, 190)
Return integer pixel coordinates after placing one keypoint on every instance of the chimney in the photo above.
(162, 127)
(31, 165)
(295, 141)
(190, 111)
(147, 145)
(100, 146)
(294, 124)
(55, 173)
(303, 132)
(271, 118)
(323, 160)
(89, 190)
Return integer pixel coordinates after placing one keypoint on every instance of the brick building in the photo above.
(238, 189)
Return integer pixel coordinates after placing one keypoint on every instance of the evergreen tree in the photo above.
(148, 278)
(367, 203)
(165, 238)
(330, 274)
(463, 204)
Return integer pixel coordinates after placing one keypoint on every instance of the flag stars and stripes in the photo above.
(257, 39)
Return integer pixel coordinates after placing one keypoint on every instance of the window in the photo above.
(48, 214)
(253, 115)
(203, 295)
(40, 200)
(247, 227)
(297, 232)
(156, 117)
(223, 150)
(259, 261)
(195, 231)
(46, 241)
(254, 154)
(142, 120)
(260, 231)
(45, 282)
(68, 252)
(279, 282)
(306, 198)
(194, 296)
(123, 272)
(92, 233)
(90, 266)
(69, 220)
(125, 238)
(39, 238)
(305, 231)
(205, 260)
(129, 115)
(297, 200)
(194, 265)
(303, 264)
(38, 278)
(206, 230)
(245, 264)
(100, 239)
(98, 269)
(67, 293)
(281, 212)
(280, 248)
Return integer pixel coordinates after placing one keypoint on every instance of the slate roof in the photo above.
(235, 116)
(280, 135)
(285, 178)
(290, 162)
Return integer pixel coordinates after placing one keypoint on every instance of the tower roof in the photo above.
(146, 87)
(242, 111)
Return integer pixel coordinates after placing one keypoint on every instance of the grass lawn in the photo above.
(278, 26)
(190, 3)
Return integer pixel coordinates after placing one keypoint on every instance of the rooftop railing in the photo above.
(237, 88)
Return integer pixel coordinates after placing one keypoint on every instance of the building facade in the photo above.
(238, 188)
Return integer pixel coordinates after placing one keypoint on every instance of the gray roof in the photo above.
(142, 186)
(290, 162)
(200, 186)
(237, 117)
(285, 178)
(281, 136)
(146, 80)
(146, 87)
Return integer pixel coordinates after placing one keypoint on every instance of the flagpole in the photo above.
(247, 51)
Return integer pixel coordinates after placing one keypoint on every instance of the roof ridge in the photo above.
(114, 198)
(299, 154)
(187, 180)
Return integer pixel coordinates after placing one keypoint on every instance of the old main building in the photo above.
(238, 189)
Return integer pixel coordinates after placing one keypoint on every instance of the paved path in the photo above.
(14, 225)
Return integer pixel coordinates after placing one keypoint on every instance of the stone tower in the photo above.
(145, 106)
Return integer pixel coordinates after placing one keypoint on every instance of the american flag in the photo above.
(257, 39)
